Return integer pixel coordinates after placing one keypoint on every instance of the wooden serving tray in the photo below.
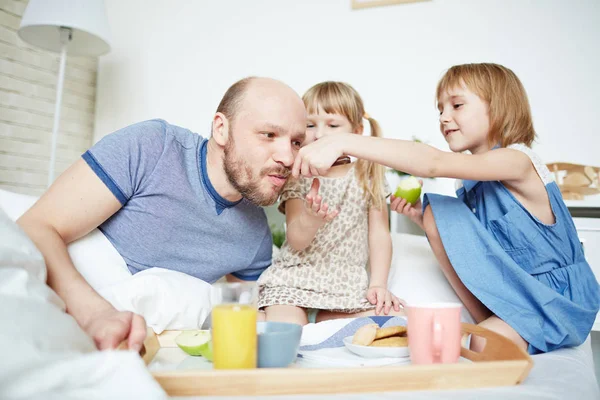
(501, 363)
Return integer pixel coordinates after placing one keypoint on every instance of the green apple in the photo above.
(409, 189)
(196, 343)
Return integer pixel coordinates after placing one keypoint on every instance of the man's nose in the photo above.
(284, 154)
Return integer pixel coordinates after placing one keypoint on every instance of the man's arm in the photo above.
(74, 205)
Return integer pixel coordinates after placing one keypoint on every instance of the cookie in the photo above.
(365, 335)
(394, 341)
(390, 331)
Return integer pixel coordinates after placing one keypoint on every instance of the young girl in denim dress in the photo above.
(507, 243)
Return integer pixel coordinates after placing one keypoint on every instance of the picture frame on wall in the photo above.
(360, 4)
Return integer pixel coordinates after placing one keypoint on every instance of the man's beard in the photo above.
(239, 174)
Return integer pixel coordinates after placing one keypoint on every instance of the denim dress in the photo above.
(531, 275)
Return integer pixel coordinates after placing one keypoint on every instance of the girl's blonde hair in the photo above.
(509, 111)
(341, 98)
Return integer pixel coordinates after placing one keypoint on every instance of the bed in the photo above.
(46, 355)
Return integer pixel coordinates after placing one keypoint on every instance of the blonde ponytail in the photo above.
(371, 175)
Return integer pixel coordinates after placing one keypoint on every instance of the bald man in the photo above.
(166, 197)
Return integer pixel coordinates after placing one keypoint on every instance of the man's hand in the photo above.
(314, 206)
(384, 300)
(110, 327)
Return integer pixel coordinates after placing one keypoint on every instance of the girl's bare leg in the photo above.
(325, 315)
(285, 313)
(475, 307)
(495, 324)
(482, 315)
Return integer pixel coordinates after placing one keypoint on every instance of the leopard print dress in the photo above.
(329, 274)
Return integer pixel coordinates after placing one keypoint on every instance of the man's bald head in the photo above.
(251, 87)
(259, 127)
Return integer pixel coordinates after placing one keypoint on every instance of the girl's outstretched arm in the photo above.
(380, 259)
(414, 158)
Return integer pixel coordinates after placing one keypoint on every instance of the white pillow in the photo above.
(93, 255)
(166, 299)
(415, 275)
(15, 204)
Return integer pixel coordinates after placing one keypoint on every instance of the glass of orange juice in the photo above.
(233, 323)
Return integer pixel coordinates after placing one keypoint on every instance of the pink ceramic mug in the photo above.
(434, 332)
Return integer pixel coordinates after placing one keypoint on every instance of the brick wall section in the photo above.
(28, 77)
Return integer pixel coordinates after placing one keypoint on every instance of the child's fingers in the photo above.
(314, 188)
(396, 303)
(372, 297)
(323, 210)
(331, 216)
(305, 170)
(309, 201)
(395, 205)
(388, 303)
(380, 301)
(402, 209)
(314, 171)
(317, 204)
(297, 165)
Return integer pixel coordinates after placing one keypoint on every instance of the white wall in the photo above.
(175, 58)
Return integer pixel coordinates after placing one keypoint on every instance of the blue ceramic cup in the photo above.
(278, 343)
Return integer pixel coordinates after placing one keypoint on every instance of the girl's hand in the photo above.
(316, 158)
(401, 206)
(384, 300)
(315, 207)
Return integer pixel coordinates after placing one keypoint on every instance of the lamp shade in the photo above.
(87, 20)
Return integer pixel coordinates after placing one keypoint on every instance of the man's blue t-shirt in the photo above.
(171, 215)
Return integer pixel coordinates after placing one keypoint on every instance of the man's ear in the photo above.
(220, 129)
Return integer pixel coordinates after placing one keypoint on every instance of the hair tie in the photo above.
(366, 116)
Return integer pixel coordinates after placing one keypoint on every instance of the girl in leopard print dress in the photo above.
(336, 225)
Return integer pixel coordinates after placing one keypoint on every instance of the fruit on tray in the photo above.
(409, 189)
(196, 343)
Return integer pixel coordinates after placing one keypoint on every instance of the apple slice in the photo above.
(409, 189)
(196, 343)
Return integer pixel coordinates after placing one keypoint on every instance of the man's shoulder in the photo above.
(160, 129)
(185, 137)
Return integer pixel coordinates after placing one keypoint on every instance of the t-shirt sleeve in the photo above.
(262, 260)
(295, 188)
(125, 159)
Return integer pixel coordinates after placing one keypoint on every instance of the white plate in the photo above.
(375, 352)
